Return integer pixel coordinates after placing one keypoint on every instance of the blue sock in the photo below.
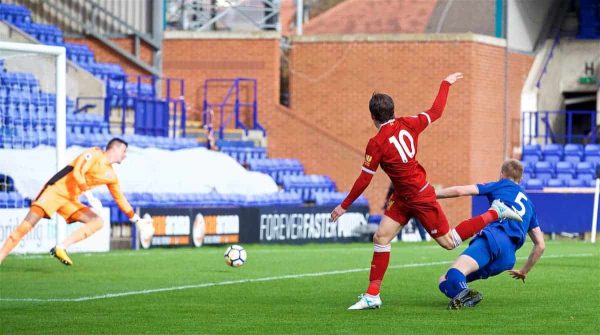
(454, 283)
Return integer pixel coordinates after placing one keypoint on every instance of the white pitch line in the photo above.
(255, 280)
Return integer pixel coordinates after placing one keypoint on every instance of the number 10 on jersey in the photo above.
(402, 147)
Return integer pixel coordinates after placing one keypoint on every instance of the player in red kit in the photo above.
(394, 148)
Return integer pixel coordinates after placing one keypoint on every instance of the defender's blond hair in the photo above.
(513, 169)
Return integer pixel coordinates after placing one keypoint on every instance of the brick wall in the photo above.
(195, 57)
(332, 80)
(198, 56)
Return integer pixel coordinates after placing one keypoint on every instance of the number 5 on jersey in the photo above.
(402, 147)
(519, 201)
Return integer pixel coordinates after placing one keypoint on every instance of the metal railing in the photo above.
(221, 107)
(141, 94)
(544, 127)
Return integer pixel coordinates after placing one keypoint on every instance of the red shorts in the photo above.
(422, 206)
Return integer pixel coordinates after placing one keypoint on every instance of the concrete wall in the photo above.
(573, 56)
(526, 21)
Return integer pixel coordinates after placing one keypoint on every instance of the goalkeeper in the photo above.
(61, 194)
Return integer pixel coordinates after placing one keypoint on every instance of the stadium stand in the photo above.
(556, 165)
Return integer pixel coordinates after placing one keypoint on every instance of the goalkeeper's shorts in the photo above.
(51, 201)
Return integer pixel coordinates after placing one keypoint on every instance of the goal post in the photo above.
(33, 120)
(60, 55)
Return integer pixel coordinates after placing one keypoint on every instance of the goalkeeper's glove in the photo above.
(139, 221)
(93, 201)
(144, 225)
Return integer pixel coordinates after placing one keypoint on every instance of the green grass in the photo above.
(561, 295)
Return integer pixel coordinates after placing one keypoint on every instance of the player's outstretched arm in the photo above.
(361, 183)
(537, 236)
(121, 201)
(457, 191)
(436, 110)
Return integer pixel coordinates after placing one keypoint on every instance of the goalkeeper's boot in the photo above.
(505, 212)
(366, 301)
(466, 298)
(61, 255)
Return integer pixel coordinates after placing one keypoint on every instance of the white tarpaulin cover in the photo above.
(145, 171)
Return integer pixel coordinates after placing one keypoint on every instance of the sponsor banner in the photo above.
(286, 224)
(305, 224)
(192, 226)
(47, 233)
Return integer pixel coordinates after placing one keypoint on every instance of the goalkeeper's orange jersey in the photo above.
(90, 169)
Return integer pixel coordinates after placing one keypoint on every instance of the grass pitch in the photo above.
(293, 290)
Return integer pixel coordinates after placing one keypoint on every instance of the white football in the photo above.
(235, 256)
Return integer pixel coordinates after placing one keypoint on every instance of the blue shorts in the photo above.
(493, 250)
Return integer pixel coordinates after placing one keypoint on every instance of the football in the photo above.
(235, 256)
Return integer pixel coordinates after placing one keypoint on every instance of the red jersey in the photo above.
(395, 149)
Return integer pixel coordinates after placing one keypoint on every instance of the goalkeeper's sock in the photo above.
(82, 233)
(379, 264)
(455, 282)
(14, 238)
(472, 226)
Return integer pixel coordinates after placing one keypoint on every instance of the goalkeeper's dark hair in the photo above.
(114, 142)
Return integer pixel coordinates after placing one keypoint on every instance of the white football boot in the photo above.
(367, 301)
(505, 212)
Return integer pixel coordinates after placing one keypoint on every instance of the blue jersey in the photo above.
(513, 196)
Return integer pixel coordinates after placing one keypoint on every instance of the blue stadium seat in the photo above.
(532, 153)
(575, 183)
(15, 200)
(552, 152)
(565, 170)
(573, 153)
(586, 171)
(534, 184)
(3, 200)
(375, 219)
(555, 183)
(592, 153)
(544, 171)
(525, 177)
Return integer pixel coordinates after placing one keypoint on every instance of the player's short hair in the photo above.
(513, 169)
(381, 107)
(114, 142)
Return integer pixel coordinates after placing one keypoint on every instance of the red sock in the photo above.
(472, 226)
(379, 265)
